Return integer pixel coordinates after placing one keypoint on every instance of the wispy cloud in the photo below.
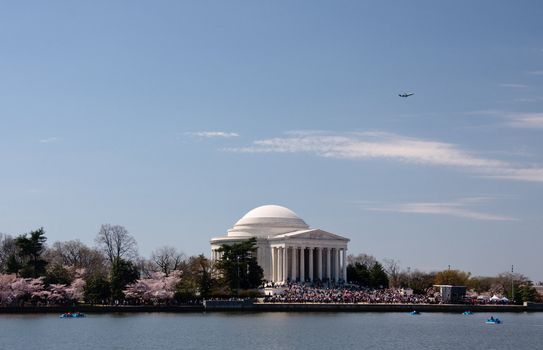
(211, 134)
(528, 99)
(461, 208)
(526, 120)
(513, 85)
(485, 112)
(49, 140)
(514, 119)
(382, 145)
(535, 72)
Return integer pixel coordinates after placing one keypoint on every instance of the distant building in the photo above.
(451, 294)
(287, 248)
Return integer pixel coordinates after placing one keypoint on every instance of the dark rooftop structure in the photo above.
(451, 294)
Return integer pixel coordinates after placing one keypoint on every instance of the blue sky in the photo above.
(174, 118)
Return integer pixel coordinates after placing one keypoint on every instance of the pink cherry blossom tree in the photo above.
(156, 289)
(6, 293)
(75, 291)
(16, 290)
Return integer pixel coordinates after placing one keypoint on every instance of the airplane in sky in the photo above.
(406, 94)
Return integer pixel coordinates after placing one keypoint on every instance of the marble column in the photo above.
(337, 260)
(294, 264)
(273, 262)
(310, 257)
(302, 264)
(279, 264)
(319, 263)
(345, 264)
(328, 262)
(333, 264)
(285, 264)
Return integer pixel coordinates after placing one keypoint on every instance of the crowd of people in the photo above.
(303, 293)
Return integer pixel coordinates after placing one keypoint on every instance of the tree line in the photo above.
(104, 271)
(112, 272)
(366, 271)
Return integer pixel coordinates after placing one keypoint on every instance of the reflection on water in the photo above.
(271, 331)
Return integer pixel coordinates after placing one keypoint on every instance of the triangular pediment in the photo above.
(312, 234)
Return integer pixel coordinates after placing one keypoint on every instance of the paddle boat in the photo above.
(72, 315)
(414, 312)
(493, 320)
(467, 313)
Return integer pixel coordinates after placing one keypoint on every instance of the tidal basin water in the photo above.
(271, 331)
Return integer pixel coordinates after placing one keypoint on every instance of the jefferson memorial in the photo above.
(287, 248)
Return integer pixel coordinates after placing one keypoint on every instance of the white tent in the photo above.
(495, 298)
(505, 300)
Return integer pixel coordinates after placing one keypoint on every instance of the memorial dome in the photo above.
(267, 220)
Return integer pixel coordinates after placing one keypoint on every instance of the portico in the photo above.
(299, 262)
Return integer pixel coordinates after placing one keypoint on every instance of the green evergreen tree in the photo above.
(30, 250)
(358, 274)
(97, 290)
(378, 276)
(526, 292)
(13, 265)
(185, 290)
(123, 272)
(206, 282)
(58, 274)
(239, 266)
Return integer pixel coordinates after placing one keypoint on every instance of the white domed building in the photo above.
(287, 248)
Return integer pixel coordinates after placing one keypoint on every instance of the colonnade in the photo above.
(297, 263)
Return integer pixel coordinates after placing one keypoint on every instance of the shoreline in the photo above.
(391, 308)
(244, 306)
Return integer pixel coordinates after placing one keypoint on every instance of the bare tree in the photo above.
(116, 243)
(505, 280)
(392, 268)
(417, 280)
(77, 255)
(167, 259)
(145, 267)
(364, 259)
(7, 248)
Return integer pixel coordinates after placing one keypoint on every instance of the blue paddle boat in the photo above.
(414, 312)
(493, 320)
(467, 313)
(72, 315)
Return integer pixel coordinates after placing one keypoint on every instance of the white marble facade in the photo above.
(287, 249)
